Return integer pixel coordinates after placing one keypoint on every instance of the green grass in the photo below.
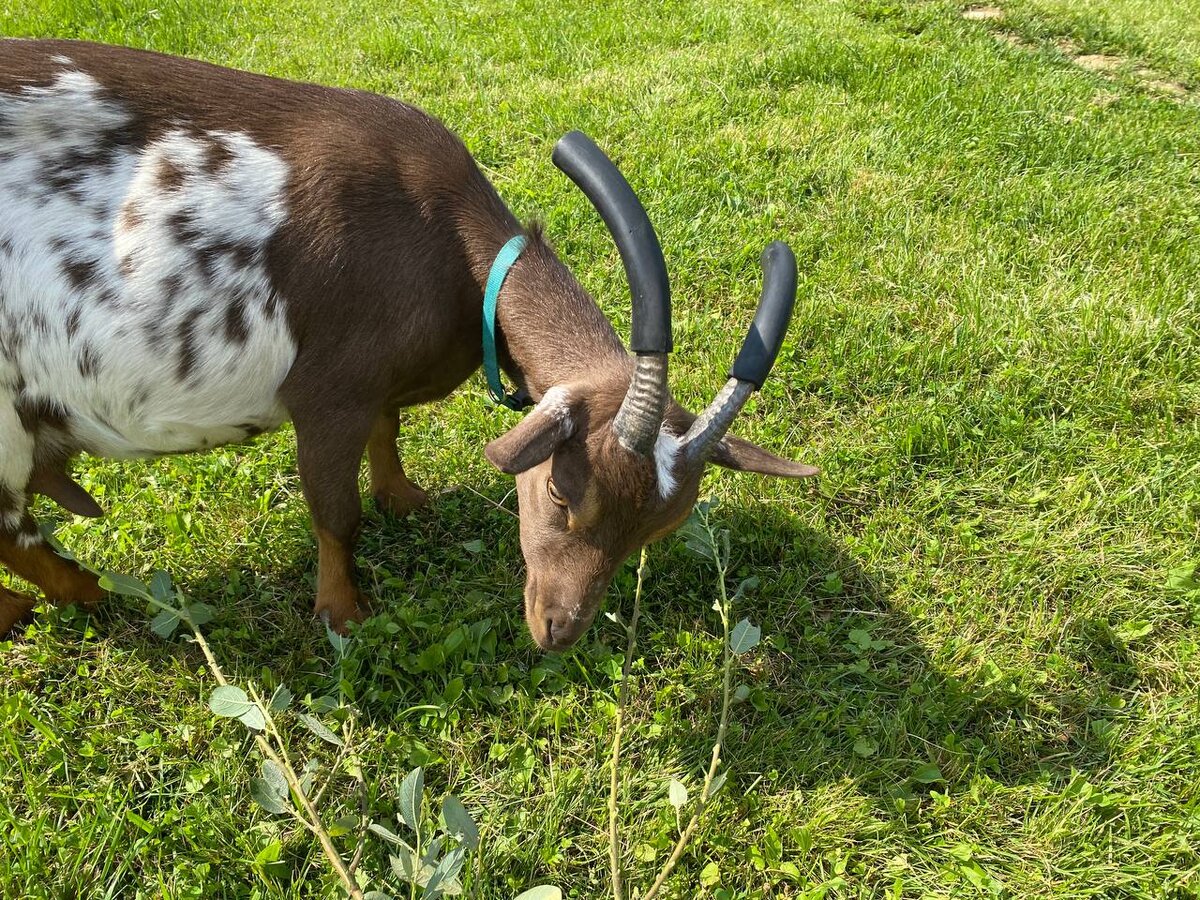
(994, 360)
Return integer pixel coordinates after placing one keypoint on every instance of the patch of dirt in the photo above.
(983, 13)
(1013, 40)
(1099, 62)
(1156, 81)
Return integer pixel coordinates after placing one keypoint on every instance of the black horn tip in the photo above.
(770, 324)
(586, 164)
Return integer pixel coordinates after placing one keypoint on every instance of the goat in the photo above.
(192, 255)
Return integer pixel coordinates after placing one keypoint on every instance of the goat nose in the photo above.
(559, 627)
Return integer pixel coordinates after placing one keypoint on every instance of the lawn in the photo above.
(979, 672)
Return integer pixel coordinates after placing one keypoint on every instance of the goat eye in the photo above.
(555, 496)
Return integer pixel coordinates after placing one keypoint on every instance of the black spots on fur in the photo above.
(271, 304)
(182, 224)
(73, 319)
(251, 429)
(36, 413)
(169, 176)
(237, 330)
(217, 156)
(171, 287)
(188, 351)
(9, 500)
(127, 266)
(82, 273)
(88, 361)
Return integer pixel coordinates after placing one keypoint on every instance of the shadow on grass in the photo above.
(843, 684)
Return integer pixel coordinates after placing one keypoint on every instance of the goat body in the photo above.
(191, 255)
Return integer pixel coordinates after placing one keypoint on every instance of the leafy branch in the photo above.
(703, 538)
(431, 866)
(278, 776)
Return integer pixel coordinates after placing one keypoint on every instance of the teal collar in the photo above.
(504, 261)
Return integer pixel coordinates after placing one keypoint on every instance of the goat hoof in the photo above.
(402, 500)
(83, 590)
(337, 615)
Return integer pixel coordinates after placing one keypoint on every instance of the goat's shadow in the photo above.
(843, 684)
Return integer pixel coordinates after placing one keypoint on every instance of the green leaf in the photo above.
(865, 747)
(745, 637)
(747, 585)
(717, 783)
(200, 613)
(160, 588)
(459, 823)
(741, 693)
(344, 825)
(710, 875)
(541, 892)
(317, 727)
(475, 546)
(269, 854)
(677, 793)
(376, 895)
(1183, 578)
(273, 775)
(126, 585)
(229, 701)
(280, 700)
(264, 795)
(165, 623)
(390, 837)
(310, 772)
(928, 774)
(445, 872)
(253, 718)
(411, 789)
(405, 864)
(339, 643)
(1134, 630)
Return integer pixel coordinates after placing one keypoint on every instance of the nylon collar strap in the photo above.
(504, 261)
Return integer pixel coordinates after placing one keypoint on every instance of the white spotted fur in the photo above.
(135, 402)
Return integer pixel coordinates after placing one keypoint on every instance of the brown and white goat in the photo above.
(191, 255)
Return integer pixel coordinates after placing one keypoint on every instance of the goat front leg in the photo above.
(328, 455)
(23, 550)
(390, 487)
(13, 608)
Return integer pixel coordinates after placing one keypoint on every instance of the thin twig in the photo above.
(311, 820)
(705, 794)
(614, 857)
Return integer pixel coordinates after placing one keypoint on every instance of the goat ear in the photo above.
(734, 453)
(537, 436)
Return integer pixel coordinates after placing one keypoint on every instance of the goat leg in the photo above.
(59, 487)
(328, 452)
(24, 551)
(390, 487)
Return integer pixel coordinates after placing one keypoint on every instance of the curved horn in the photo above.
(641, 413)
(756, 357)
